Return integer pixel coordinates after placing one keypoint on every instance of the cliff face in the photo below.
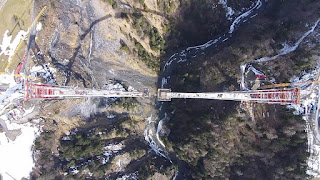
(91, 38)
(99, 43)
(217, 138)
(103, 45)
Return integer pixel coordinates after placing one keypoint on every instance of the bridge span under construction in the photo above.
(38, 91)
(270, 96)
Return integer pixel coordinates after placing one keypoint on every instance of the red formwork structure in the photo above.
(35, 91)
(276, 96)
(272, 96)
(40, 91)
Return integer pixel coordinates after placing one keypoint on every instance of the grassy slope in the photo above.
(22, 9)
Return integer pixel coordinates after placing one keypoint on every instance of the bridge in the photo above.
(272, 96)
(37, 91)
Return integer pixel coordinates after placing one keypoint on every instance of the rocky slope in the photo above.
(99, 44)
(218, 139)
(92, 43)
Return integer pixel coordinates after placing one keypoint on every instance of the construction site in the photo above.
(26, 80)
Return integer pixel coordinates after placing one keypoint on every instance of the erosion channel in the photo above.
(203, 46)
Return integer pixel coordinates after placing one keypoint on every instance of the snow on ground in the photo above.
(7, 47)
(45, 71)
(242, 83)
(111, 116)
(2, 3)
(130, 88)
(114, 87)
(304, 91)
(230, 11)
(39, 26)
(308, 98)
(114, 147)
(74, 170)
(287, 48)
(15, 153)
(16, 156)
(132, 176)
(314, 158)
(237, 21)
(28, 111)
(305, 76)
(7, 79)
(245, 69)
(182, 55)
(12, 94)
(110, 150)
(153, 138)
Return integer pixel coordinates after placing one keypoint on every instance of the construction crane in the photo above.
(24, 76)
(24, 60)
(282, 85)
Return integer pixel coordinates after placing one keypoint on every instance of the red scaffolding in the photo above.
(276, 96)
(40, 91)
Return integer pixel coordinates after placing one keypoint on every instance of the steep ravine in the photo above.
(190, 117)
(92, 44)
(155, 122)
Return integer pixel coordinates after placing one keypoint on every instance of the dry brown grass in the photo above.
(22, 10)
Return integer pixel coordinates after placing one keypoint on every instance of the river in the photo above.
(159, 116)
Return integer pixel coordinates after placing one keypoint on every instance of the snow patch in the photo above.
(110, 150)
(237, 21)
(287, 48)
(28, 111)
(132, 176)
(7, 47)
(153, 142)
(17, 155)
(111, 116)
(39, 26)
(65, 138)
(45, 71)
(230, 11)
(7, 79)
(119, 164)
(114, 87)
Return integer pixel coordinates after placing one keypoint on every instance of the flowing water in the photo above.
(155, 121)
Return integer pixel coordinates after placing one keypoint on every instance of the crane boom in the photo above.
(288, 84)
(21, 41)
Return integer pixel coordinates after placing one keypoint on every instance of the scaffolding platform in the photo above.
(37, 91)
(272, 96)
